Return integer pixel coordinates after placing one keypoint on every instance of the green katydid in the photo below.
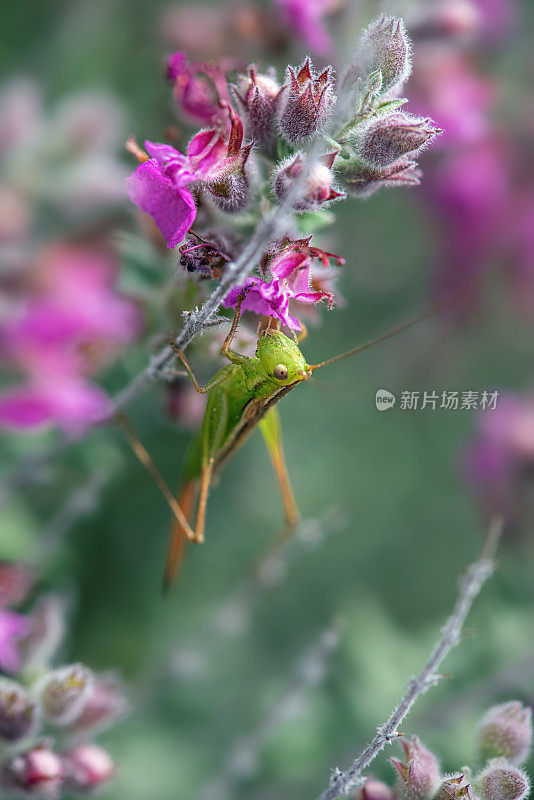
(241, 395)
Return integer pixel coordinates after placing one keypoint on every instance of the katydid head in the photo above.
(281, 358)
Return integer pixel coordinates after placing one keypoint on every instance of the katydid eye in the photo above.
(280, 372)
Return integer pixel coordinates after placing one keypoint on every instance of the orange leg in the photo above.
(144, 457)
(177, 535)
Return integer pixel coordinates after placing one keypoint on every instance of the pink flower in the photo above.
(520, 230)
(15, 584)
(74, 404)
(160, 186)
(448, 89)
(12, 628)
(290, 272)
(504, 445)
(71, 323)
(304, 18)
(168, 201)
(198, 87)
(497, 17)
(470, 193)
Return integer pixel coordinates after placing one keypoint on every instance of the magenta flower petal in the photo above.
(171, 207)
(12, 628)
(71, 402)
(314, 297)
(264, 298)
(304, 17)
(176, 64)
(285, 264)
(23, 408)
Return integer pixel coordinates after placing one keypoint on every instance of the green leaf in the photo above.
(392, 105)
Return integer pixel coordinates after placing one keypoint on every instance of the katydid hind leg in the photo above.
(146, 460)
(177, 537)
(272, 434)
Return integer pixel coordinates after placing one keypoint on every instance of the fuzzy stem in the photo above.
(341, 783)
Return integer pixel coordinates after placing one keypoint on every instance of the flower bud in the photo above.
(47, 628)
(260, 96)
(361, 181)
(305, 100)
(375, 790)
(455, 786)
(86, 767)
(506, 730)
(502, 781)
(420, 771)
(385, 139)
(105, 704)
(317, 189)
(385, 46)
(231, 190)
(17, 712)
(64, 692)
(35, 772)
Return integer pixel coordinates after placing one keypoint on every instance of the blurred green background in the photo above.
(388, 485)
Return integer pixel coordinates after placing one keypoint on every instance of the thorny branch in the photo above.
(341, 783)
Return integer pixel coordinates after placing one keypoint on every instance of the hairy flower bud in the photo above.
(387, 138)
(64, 692)
(455, 786)
(506, 730)
(419, 773)
(231, 190)
(385, 46)
(317, 189)
(17, 712)
(502, 781)
(260, 96)
(361, 181)
(106, 703)
(305, 100)
(35, 772)
(86, 767)
(375, 790)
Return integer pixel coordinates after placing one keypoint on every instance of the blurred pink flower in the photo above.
(290, 281)
(520, 264)
(496, 17)
(505, 443)
(305, 20)
(72, 321)
(446, 87)
(469, 190)
(199, 87)
(13, 627)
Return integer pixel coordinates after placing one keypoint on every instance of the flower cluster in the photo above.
(48, 715)
(253, 155)
(61, 327)
(503, 741)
